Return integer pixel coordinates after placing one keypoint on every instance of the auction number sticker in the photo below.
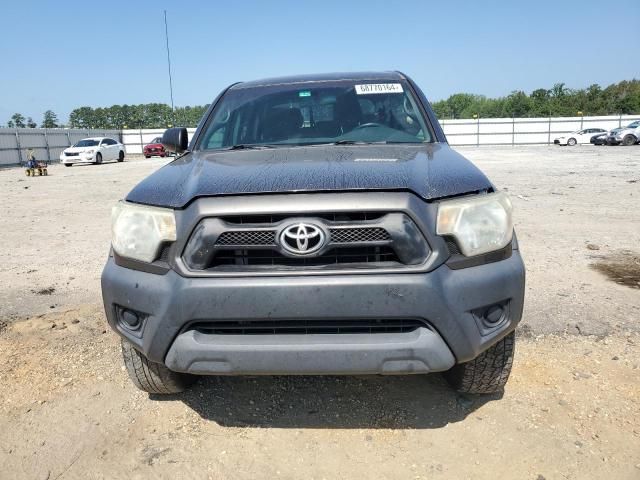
(369, 88)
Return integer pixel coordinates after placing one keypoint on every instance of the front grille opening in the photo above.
(359, 235)
(248, 237)
(308, 327)
(333, 217)
(452, 246)
(164, 253)
(337, 256)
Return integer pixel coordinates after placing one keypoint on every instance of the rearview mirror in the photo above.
(175, 139)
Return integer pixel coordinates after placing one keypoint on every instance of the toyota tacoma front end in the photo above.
(315, 225)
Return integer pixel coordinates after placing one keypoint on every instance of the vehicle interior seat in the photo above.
(282, 124)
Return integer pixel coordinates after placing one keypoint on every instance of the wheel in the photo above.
(98, 159)
(27, 172)
(147, 156)
(68, 164)
(121, 156)
(629, 140)
(163, 154)
(571, 142)
(488, 373)
(153, 377)
(46, 172)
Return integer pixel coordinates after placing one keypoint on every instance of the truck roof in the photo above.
(322, 77)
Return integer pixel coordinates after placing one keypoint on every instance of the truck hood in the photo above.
(431, 171)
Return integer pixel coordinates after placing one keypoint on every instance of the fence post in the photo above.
(549, 132)
(141, 143)
(513, 130)
(68, 138)
(620, 120)
(478, 132)
(19, 147)
(46, 142)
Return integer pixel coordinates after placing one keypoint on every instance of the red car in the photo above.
(155, 148)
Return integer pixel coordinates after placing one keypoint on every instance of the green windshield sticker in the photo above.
(304, 93)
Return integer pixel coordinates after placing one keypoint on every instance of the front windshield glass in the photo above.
(87, 143)
(313, 113)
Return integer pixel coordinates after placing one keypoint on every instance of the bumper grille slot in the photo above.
(272, 258)
(308, 327)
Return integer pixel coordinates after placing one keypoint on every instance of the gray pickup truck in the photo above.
(315, 225)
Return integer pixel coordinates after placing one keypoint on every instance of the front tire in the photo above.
(487, 373)
(121, 156)
(68, 164)
(98, 159)
(153, 377)
(571, 142)
(628, 140)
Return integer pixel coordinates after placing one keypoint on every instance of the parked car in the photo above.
(315, 225)
(600, 139)
(579, 136)
(628, 135)
(93, 150)
(611, 136)
(155, 148)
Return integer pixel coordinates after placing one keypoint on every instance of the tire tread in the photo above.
(487, 373)
(150, 376)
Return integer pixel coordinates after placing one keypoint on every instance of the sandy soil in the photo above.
(570, 410)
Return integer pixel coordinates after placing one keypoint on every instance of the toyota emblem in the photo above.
(302, 238)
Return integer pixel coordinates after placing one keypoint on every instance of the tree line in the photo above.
(558, 101)
(49, 120)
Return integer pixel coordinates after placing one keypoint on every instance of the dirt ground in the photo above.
(571, 409)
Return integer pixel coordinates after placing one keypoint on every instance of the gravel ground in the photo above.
(570, 410)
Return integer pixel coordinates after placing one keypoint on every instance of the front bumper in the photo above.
(78, 159)
(447, 299)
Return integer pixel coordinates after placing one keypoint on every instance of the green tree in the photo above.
(49, 120)
(31, 123)
(17, 120)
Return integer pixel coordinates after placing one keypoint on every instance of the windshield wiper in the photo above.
(354, 142)
(249, 146)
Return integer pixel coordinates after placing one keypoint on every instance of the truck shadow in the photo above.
(416, 401)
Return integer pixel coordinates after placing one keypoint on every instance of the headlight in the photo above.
(89, 152)
(139, 231)
(480, 224)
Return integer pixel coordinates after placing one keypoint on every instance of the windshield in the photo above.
(157, 140)
(87, 143)
(316, 113)
(634, 125)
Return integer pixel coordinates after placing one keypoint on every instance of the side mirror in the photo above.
(175, 139)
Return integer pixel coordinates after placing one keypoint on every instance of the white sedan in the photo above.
(580, 136)
(93, 150)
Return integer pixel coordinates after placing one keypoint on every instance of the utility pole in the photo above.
(166, 34)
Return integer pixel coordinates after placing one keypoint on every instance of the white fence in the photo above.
(524, 131)
(49, 143)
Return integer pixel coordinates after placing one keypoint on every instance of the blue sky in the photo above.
(63, 55)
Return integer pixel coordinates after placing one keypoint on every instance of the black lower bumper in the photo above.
(451, 301)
